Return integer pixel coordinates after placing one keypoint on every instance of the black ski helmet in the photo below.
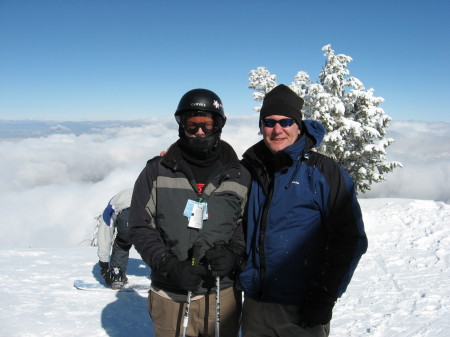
(200, 100)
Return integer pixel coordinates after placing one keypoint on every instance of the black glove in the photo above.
(105, 272)
(184, 274)
(221, 261)
(317, 308)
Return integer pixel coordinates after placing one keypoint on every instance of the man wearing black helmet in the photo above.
(193, 196)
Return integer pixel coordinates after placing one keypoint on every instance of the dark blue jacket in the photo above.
(303, 224)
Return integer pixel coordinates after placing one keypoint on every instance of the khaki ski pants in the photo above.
(167, 315)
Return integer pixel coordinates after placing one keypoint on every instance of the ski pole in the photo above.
(195, 257)
(218, 245)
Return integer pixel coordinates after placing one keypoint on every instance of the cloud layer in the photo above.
(424, 151)
(56, 178)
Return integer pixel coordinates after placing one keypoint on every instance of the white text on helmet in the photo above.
(198, 104)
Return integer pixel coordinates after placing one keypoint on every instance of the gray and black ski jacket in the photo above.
(161, 192)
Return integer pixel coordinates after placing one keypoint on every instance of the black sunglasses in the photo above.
(284, 123)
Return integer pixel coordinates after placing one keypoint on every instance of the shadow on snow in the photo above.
(128, 314)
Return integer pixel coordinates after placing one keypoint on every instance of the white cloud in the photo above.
(424, 150)
(53, 187)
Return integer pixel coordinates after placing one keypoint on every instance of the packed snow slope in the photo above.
(400, 288)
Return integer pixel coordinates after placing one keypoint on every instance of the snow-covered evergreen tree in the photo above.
(352, 116)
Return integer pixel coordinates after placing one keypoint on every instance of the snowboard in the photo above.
(95, 286)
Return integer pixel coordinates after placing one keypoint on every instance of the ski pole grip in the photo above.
(196, 251)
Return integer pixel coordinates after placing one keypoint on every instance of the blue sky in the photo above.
(111, 59)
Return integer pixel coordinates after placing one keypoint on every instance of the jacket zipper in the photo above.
(261, 239)
(300, 160)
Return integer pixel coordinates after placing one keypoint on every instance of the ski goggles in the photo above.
(208, 122)
(284, 123)
(192, 127)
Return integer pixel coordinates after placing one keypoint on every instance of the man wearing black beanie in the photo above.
(304, 228)
(282, 101)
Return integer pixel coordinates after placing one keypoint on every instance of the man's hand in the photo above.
(318, 308)
(186, 275)
(221, 260)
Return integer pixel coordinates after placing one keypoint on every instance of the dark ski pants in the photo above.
(167, 315)
(262, 319)
(121, 247)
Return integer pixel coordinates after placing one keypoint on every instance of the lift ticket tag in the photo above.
(196, 212)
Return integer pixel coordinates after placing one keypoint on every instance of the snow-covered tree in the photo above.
(262, 81)
(352, 116)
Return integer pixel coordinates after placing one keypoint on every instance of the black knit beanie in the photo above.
(282, 101)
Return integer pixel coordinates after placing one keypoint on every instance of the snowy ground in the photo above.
(401, 287)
